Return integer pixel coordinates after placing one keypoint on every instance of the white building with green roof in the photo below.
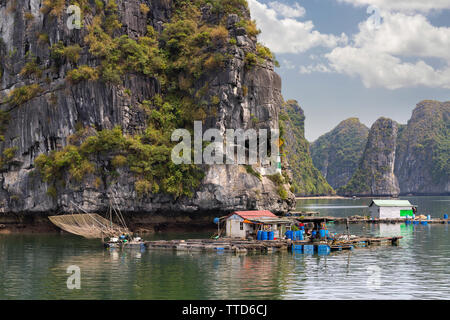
(391, 209)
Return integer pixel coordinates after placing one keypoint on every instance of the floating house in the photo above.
(244, 224)
(391, 209)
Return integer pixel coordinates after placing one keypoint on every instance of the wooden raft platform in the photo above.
(301, 213)
(210, 245)
(354, 220)
(244, 246)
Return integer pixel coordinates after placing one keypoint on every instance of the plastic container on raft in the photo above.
(264, 235)
(288, 234)
(271, 235)
(323, 249)
(259, 235)
(322, 233)
(308, 249)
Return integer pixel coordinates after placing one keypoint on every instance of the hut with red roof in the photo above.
(245, 224)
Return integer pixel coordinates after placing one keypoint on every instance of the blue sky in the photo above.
(341, 60)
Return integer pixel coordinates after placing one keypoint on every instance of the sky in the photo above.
(357, 58)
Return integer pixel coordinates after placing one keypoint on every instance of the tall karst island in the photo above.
(406, 159)
(87, 111)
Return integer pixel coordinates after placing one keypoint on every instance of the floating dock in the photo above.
(355, 220)
(256, 246)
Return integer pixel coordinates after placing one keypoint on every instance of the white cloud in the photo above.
(403, 5)
(287, 35)
(384, 70)
(315, 68)
(382, 57)
(296, 11)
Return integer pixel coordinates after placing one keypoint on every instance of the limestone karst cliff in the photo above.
(406, 159)
(307, 180)
(86, 114)
(375, 174)
(337, 153)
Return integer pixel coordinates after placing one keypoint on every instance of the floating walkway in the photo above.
(256, 246)
(359, 219)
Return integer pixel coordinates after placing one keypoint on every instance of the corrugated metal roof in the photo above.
(255, 214)
(391, 203)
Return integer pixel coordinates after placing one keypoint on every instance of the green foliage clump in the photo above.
(4, 119)
(59, 52)
(53, 7)
(249, 26)
(81, 74)
(31, 68)
(23, 94)
(278, 179)
(6, 157)
(252, 171)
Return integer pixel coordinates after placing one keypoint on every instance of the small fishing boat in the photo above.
(94, 226)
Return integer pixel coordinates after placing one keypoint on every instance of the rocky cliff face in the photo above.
(307, 180)
(145, 67)
(375, 174)
(337, 153)
(422, 164)
(406, 159)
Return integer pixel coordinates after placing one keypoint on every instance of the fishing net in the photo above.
(89, 225)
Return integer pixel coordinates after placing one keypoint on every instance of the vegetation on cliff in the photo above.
(307, 180)
(179, 57)
(375, 173)
(423, 152)
(337, 153)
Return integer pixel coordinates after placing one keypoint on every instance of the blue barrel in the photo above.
(300, 235)
(407, 221)
(288, 234)
(323, 249)
(322, 233)
(308, 249)
(424, 223)
(264, 235)
(271, 235)
(314, 233)
(416, 222)
(259, 236)
(445, 216)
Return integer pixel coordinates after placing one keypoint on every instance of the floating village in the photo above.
(256, 231)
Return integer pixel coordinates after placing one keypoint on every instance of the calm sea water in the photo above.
(35, 266)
